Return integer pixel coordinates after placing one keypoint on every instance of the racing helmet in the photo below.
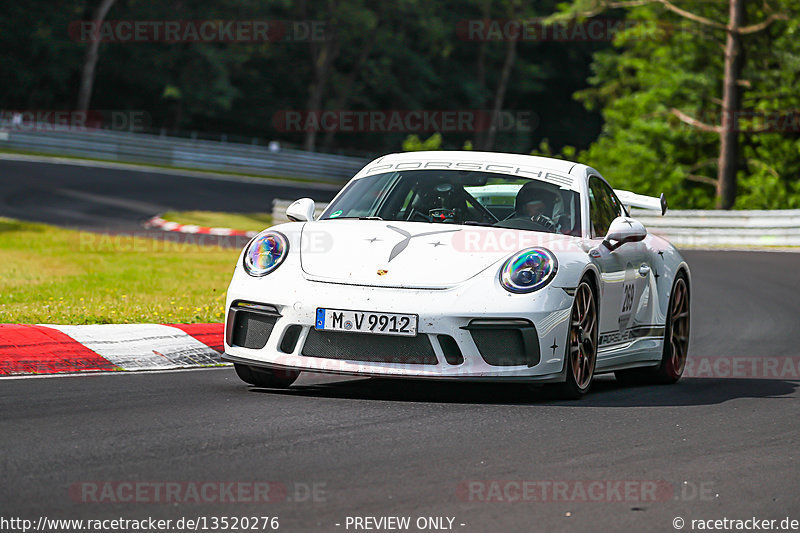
(534, 191)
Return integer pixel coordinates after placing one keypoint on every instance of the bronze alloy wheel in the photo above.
(582, 343)
(676, 342)
(677, 334)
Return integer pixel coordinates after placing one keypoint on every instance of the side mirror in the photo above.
(301, 211)
(622, 230)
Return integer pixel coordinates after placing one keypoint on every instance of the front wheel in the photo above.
(266, 377)
(581, 354)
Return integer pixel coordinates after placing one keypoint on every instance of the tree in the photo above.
(696, 34)
(502, 83)
(392, 55)
(345, 24)
(90, 60)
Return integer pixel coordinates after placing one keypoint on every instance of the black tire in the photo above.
(266, 377)
(676, 342)
(581, 353)
(243, 371)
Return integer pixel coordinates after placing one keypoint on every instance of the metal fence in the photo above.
(683, 228)
(187, 153)
(725, 228)
(690, 228)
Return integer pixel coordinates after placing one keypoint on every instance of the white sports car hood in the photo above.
(407, 254)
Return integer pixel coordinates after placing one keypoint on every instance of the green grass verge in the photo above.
(214, 219)
(58, 276)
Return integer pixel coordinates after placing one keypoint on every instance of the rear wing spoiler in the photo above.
(644, 202)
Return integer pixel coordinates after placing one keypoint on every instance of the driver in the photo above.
(534, 208)
(536, 204)
(440, 201)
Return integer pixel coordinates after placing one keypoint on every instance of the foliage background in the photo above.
(604, 103)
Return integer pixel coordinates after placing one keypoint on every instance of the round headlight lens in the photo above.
(265, 253)
(529, 270)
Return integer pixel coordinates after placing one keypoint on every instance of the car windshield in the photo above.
(460, 197)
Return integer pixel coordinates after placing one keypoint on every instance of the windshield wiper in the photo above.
(355, 218)
(476, 223)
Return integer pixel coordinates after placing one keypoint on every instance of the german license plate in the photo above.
(366, 322)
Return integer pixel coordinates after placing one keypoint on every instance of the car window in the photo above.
(604, 207)
(461, 197)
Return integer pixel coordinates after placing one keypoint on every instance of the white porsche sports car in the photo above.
(463, 265)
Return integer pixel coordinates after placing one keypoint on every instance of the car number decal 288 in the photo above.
(628, 294)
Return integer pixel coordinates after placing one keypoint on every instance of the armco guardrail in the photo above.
(725, 228)
(188, 153)
(690, 228)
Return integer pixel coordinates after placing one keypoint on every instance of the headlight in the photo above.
(265, 253)
(529, 270)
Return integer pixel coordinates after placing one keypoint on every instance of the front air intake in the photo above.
(373, 348)
(506, 342)
(452, 353)
(250, 325)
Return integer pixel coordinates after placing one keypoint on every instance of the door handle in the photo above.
(644, 270)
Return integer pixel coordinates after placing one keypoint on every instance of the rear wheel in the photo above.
(676, 342)
(266, 377)
(581, 354)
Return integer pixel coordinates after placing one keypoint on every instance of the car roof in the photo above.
(550, 163)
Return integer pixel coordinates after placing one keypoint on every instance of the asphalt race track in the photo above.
(118, 200)
(726, 448)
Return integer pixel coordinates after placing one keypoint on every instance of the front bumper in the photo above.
(453, 324)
